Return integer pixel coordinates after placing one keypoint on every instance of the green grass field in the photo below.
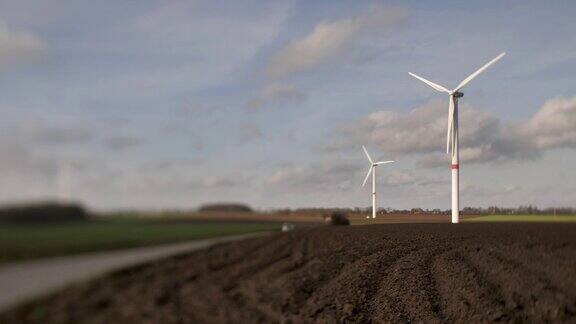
(18, 242)
(523, 218)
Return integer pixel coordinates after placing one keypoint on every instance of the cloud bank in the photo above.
(483, 138)
(325, 41)
(19, 47)
(328, 39)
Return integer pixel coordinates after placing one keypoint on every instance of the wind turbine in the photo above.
(64, 182)
(372, 170)
(452, 134)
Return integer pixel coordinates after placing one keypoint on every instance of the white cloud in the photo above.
(475, 190)
(483, 138)
(174, 176)
(554, 125)
(326, 175)
(336, 181)
(328, 39)
(422, 130)
(19, 47)
(277, 93)
(401, 177)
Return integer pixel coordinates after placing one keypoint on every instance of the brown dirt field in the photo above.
(382, 273)
(256, 217)
(318, 217)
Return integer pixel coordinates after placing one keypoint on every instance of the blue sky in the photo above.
(171, 104)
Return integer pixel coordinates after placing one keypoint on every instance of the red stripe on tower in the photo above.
(455, 167)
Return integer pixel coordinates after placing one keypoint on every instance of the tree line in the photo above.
(492, 210)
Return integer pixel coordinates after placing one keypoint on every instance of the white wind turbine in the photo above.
(372, 170)
(64, 182)
(452, 134)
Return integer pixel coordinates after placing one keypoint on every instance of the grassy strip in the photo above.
(523, 218)
(18, 242)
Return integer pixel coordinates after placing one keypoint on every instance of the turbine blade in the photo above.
(480, 70)
(435, 86)
(450, 123)
(367, 155)
(367, 175)
(454, 134)
(383, 162)
(453, 140)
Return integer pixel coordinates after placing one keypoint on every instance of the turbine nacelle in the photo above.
(457, 94)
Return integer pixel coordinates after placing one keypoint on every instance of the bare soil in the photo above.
(303, 217)
(433, 273)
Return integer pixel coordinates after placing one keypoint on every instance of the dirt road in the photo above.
(435, 273)
(23, 280)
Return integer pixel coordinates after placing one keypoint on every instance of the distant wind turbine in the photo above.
(372, 170)
(452, 134)
(65, 182)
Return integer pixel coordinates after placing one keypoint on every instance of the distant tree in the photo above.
(226, 207)
(45, 212)
(528, 209)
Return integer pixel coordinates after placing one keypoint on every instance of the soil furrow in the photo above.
(542, 263)
(466, 295)
(526, 296)
(433, 273)
(408, 287)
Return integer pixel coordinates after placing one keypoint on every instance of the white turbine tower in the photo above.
(372, 170)
(64, 182)
(452, 134)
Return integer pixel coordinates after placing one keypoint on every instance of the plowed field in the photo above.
(380, 273)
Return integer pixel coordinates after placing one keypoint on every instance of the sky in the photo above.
(172, 104)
